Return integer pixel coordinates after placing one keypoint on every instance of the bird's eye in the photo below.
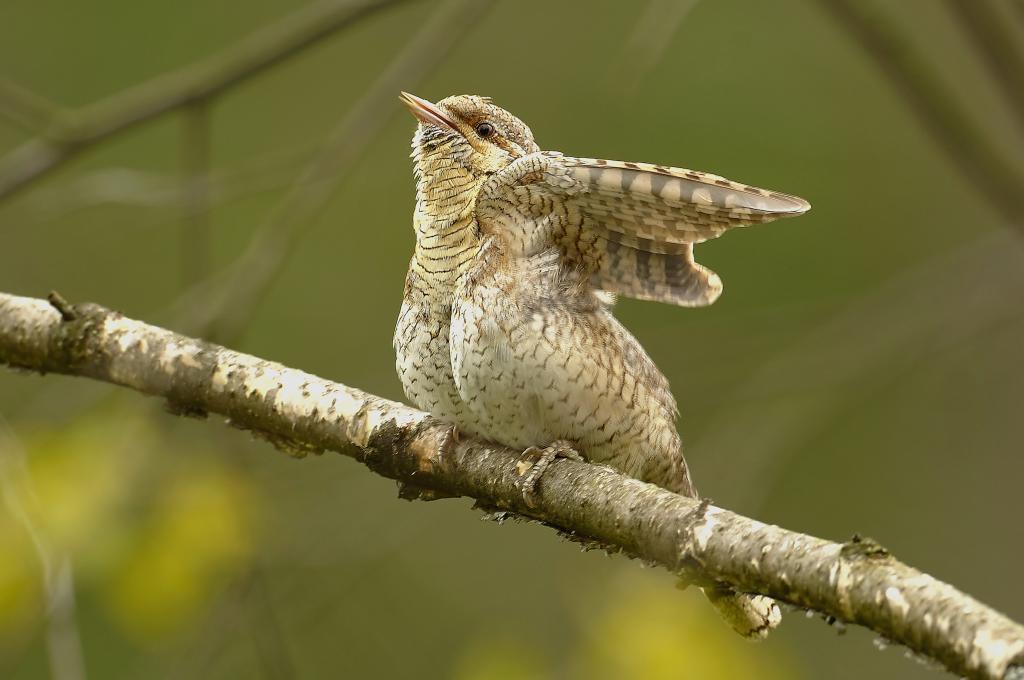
(485, 130)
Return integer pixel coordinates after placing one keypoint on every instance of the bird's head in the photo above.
(465, 133)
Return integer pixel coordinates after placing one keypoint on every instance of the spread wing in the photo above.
(630, 226)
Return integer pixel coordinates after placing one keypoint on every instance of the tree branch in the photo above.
(856, 582)
(201, 81)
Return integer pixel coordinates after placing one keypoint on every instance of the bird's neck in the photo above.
(447, 237)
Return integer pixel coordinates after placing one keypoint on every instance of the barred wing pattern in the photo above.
(630, 226)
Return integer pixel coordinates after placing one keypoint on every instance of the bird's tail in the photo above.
(752, 616)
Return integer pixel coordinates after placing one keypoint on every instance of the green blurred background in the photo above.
(863, 371)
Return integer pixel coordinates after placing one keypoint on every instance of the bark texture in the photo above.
(856, 582)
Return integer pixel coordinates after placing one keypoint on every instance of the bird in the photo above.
(506, 329)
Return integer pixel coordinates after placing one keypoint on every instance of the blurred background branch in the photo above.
(842, 352)
(981, 162)
(199, 82)
(222, 308)
(647, 43)
(219, 305)
(998, 43)
(26, 108)
(162, 192)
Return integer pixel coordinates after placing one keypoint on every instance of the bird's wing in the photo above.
(630, 226)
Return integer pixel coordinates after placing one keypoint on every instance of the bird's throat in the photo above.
(447, 237)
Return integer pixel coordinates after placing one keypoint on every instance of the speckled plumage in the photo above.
(538, 357)
(506, 328)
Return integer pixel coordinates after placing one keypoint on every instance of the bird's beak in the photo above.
(427, 112)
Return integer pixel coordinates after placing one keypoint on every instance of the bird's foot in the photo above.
(448, 444)
(532, 472)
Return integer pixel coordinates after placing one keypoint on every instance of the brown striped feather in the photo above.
(632, 226)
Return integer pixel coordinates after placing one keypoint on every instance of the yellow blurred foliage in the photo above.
(200, 531)
(648, 630)
(152, 529)
(499, 658)
(638, 628)
(82, 475)
(20, 589)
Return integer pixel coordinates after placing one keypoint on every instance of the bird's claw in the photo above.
(448, 444)
(531, 472)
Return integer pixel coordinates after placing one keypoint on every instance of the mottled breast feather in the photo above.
(537, 358)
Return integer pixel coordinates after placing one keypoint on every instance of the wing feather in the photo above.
(661, 277)
(672, 204)
(630, 226)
